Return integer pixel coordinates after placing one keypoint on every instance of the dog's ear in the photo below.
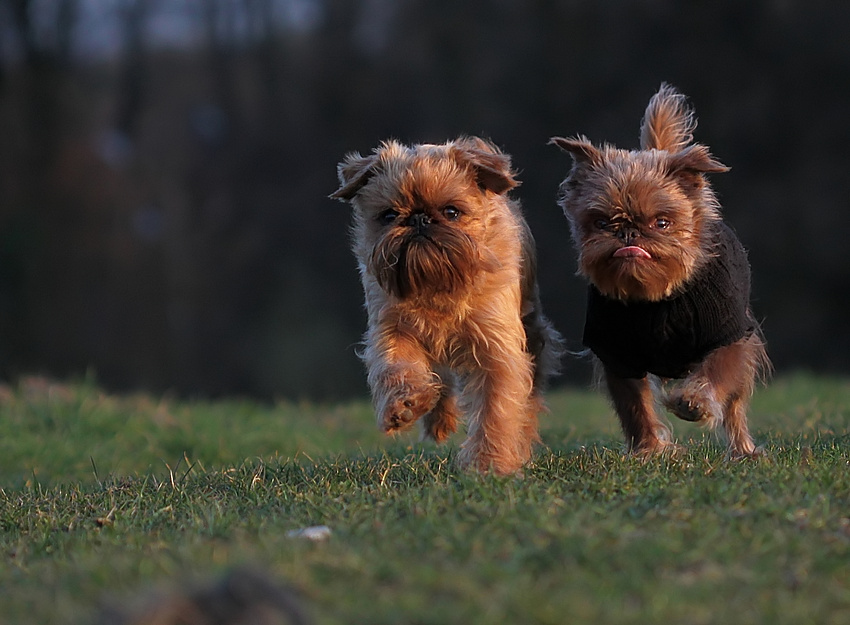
(695, 159)
(491, 166)
(580, 148)
(354, 172)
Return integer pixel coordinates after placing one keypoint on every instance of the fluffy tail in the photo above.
(668, 123)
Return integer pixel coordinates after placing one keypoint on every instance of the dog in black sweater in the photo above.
(669, 288)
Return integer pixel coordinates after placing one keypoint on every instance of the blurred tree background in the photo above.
(164, 165)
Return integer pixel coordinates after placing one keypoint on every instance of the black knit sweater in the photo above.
(668, 337)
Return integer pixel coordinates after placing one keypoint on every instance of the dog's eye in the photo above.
(452, 213)
(388, 216)
(601, 224)
(662, 224)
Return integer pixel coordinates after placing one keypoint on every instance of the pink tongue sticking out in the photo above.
(632, 251)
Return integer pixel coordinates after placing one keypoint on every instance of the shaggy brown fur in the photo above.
(448, 270)
(645, 224)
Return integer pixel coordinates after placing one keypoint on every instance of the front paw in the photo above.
(687, 410)
(693, 407)
(747, 452)
(404, 404)
(652, 447)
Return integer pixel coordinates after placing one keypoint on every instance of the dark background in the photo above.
(164, 166)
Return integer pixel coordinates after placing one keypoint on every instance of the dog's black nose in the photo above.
(418, 221)
(627, 234)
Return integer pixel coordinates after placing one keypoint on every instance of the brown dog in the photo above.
(448, 269)
(669, 281)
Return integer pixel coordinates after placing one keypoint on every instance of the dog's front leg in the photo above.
(634, 403)
(403, 385)
(501, 407)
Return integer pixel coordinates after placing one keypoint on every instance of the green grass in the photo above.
(104, 498)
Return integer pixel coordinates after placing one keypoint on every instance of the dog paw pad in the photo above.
(687, 410)
(401, 412)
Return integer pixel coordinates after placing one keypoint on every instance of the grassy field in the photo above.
(106, 499)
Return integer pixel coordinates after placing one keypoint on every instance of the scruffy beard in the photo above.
(407, 265)
(641, 279)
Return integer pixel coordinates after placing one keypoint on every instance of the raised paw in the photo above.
(694, 408)
(686, 410)
(404, 405)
